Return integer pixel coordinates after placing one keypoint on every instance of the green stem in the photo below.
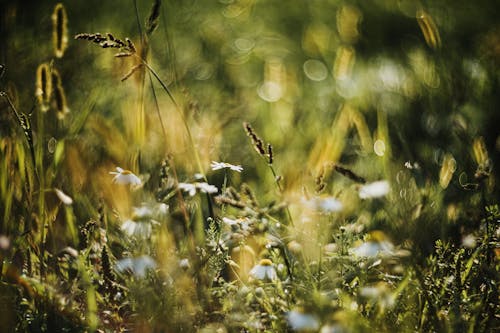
(289, 215)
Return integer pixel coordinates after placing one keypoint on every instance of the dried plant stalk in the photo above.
(43, 89)
(59, 30)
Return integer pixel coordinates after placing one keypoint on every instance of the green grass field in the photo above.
(249, 166)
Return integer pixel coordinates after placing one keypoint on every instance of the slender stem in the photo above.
(289, 215)
(181, 112)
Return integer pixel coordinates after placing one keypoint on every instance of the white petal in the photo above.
(374, 190)
(302, 321)
(65, 199)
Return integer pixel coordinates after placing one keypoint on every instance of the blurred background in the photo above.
(398, 90)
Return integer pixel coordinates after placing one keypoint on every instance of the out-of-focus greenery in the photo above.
(368, 136)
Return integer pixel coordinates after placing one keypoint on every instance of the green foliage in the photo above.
(361, 193)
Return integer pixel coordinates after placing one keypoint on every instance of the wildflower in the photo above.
(206, 188)
(184, 263)
(326, 205)
(190, 188)
(241, 224)
(203, 187)
(469, 241)
(137, 266)
(142, 219)
(125, 177)
(222, 165)
(373, 249)
(379, 292)
(300, 321)
(133, 228)
(374, 190)
(264, 271)
(65, 199)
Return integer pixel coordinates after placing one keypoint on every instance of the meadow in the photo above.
(249, 166)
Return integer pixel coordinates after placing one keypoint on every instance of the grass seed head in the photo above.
(59, 30)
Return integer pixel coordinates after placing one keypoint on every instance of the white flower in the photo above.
(138, 266)
(65, 199)
(326, 205)
(207, 188)
(140, 229)
(203, 187)
(184, 263)
(223, 165)
(374, 190)
(190, 188)
(300, 321)
(264, 271)
(125, 177)
(469, 241)
(373, 249)
(241, 224)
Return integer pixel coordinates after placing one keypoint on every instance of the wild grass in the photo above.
(245, 167)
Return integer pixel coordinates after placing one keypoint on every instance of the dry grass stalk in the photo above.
(58, 94)
(270, 153)
(349, 174)
(131, 72)
(257, 142)
(127, 47)
(59, 30)
(43, 89)
(154, 14)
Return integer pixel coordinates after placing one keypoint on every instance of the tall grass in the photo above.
(316, 168)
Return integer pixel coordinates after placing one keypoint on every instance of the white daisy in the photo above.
(184, 263)
(206, 188)
(223, 165)
(373, 249)
(138, 229)
(264, 271)
(300, 321)
(325, 205)
(203, 187)
(125, 177)
(187, 187)
(137, 266)
(65, 199)
(374, 190)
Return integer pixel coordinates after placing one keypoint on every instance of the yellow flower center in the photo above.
(265, 262)
(126, 172)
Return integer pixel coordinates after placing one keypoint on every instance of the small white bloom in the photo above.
(142, 213)
(300, 321)
(330, 205)
(223, 165)
(125, 177)
(65, 199)
(206, 188)
(203, 187)
(374, 190)
(139, 229)
(190, 188)
(198, 176)
(264, 271)
(184, 263)
(138, 266)
(325, 205)
(469, 241)
(240, 223)
(373, 249)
